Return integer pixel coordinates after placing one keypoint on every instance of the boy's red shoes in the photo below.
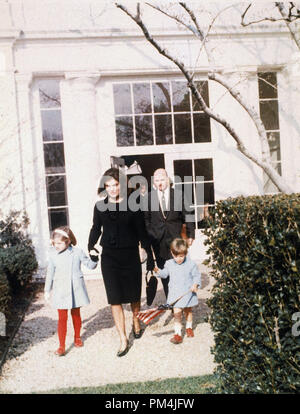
(177, 339)
(60, 351)
(189, 332)
(78, 342)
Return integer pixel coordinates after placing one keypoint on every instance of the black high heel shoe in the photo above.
(123, 352)
(138, 334)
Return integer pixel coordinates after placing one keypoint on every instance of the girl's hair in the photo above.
(65, 234)
(118, 176)
(179, 246)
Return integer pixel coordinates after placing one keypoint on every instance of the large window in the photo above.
(268, 105)
(159, 113)
(197, 182)
(54, 158)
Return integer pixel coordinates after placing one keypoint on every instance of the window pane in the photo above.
(49, 93)
(144, 130)
(56, 190)
(201, 128)
(181, 97)
(54, 158)
(183, 168)
(269, 114)
(183, 133)
(205, 193)
(202, 87)
(274, 144)
(161, 97)
(51, 125)
(209, 193)
(187, 192)
(202, 216)
(163, 129)
(122, 99)
(267, 85)
(200, 193)
(124, 131)
(58, 217)
(204, 168)
(141, 97)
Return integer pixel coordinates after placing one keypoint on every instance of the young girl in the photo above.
(184, 276)
(65, 280)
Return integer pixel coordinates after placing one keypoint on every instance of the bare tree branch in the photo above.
(265, 162)
(193, 17)
(288, 19)
(234, 92)
(243, 23)
(190, 28)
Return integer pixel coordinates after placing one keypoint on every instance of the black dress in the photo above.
(122, 230)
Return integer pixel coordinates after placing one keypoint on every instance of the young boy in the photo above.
(184, 277)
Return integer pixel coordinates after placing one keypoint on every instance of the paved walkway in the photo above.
(32, 366)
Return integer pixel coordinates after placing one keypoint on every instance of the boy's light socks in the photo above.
(189, 325)
(177, 328)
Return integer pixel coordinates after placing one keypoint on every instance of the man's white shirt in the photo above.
(167, 197)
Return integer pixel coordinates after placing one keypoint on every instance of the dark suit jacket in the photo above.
(163, 230)
(119, 229)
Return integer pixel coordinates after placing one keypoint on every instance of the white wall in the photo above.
(90, 48)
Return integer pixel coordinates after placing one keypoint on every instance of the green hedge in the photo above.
(17, 257)
(4, 293)
(255, 259)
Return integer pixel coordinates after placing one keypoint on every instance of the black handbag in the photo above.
(151, 286)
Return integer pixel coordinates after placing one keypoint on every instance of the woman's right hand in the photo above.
(94, 255)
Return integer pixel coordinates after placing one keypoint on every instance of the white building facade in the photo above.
(80, 84)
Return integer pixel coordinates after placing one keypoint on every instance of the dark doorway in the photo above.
(148, 163)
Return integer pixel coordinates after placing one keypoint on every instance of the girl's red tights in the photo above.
(62, 324)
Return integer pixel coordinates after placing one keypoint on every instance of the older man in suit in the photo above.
(165, 214)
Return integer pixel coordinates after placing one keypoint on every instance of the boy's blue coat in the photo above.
(65, 279)
(182, 278)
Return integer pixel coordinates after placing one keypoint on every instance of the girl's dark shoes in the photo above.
(60, 351)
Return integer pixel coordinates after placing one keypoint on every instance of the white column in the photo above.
(23, 83)
(32, 182)
(289, 101)
(81, 145)
(11, 189)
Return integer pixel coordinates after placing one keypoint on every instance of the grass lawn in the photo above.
(190, 385)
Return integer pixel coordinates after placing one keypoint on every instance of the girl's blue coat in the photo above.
(182, 278)
(65, 278)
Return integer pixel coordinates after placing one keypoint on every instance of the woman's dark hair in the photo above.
(118, 176)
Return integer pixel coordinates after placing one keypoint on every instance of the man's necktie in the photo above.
(163, 203)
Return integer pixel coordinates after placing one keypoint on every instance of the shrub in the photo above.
(254, 256)
(17, 256)
(4, 293)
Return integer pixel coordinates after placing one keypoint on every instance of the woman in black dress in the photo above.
(122, 229)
